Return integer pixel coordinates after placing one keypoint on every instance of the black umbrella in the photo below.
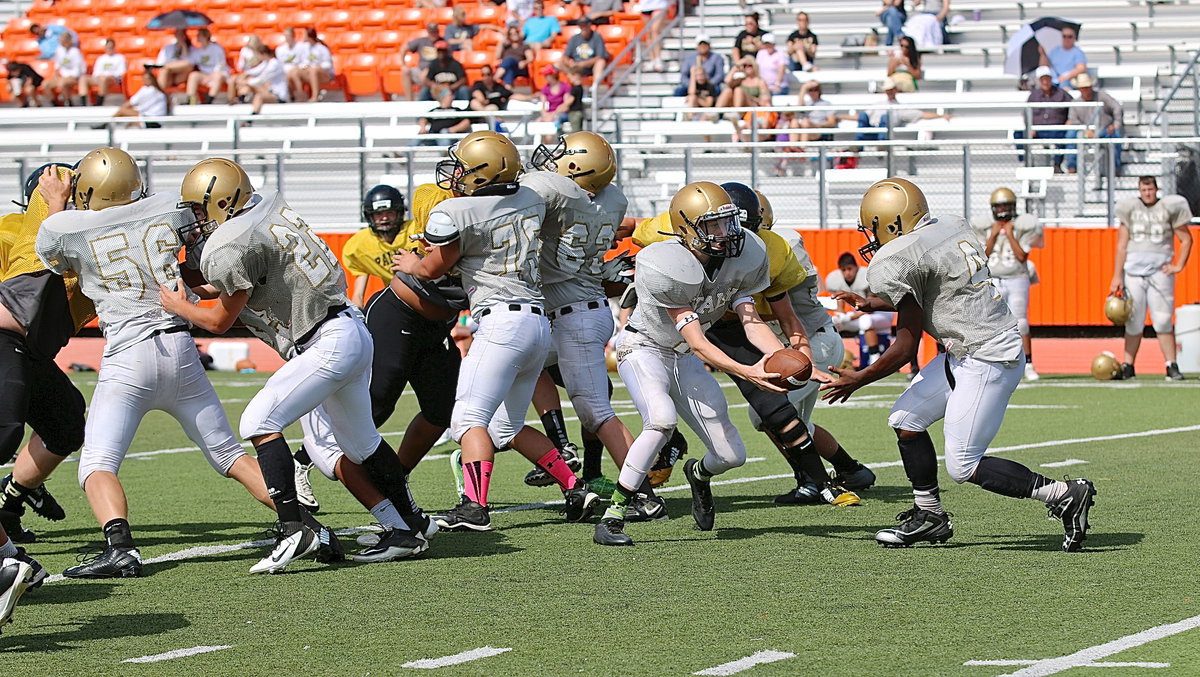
(1022, 51)
(180, 18)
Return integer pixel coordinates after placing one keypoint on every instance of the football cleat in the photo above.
(293, 540)
(611, 531)
(860, 479)
(805, 493)
(581, 502)
(1031, 373)
(457, 471)
(1073, 510)
(1127, 373)
(466, 516)
(839, 496)
(916, 526)
(15, 576)
(668, 456)
(43, 503)
(604, 487)
(329, 548)
(39, 572)
(11, 521)
(646, 508)
(111, 562)
(702, 499)
(421, 523)
(394, 544)
(540, 478)
(304, 491)
(1173, 373)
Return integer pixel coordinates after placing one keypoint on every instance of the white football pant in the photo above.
(1156, 292)
(1015, 292)
(579, 339)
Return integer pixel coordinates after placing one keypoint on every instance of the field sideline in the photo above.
(772, 591)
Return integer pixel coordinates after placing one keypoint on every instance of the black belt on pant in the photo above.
(169, 330)
(632, 329)
(515, 307)
(567, 310)
(334, 311)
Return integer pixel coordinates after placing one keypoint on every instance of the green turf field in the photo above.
(806, 580)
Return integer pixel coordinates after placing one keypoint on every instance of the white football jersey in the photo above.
(942, 266)
(1003, 262)
(669, 276)
(122, 254)
(804, 295)
(271, 252)
(1151, 231)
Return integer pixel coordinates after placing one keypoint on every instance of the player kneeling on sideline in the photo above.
(684, 284)
(931, 271)
(1007, 241)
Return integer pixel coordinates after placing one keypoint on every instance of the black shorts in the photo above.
(36, 393)
(775, 409)
(410, 349)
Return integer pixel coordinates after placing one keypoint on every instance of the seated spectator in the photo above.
(870, 327)
(703, 56)
(69, 66)
(49, 38)
(748, 41)
(149, 101)
(601, 12)
(743, 87)
(106, 75)
(1104, 122)
(212, 67)
(899, 117)
(585, 53)
(892, 15)
(264, 81)
(488, 93)
(540, 29)
(904, 66)
(443, 125)
(514, 56)
(1048, 92)
(558, 98)
(802, 45)
(175, 61)
(444, 73)
(773, 64)
(1066, 61)
(248, 55)
(459, 34)
(825, 118)
(292, 56)
(702, 92)
(655, 14)
(939, 10)
(519, 11)
(424, 48)
(24, 82)
(318, 70)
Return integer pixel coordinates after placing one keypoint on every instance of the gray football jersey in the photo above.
(578, 230)
(670, 276)
(835, 281)
(271, 252)
(270, 330)
(500, 242)
(804, 295)
(1152, 229)
(122, 254)
(942, 266)
(1002, 262)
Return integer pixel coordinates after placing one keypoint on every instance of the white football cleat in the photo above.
(1031, 373)
(15, 578)
(288, 548)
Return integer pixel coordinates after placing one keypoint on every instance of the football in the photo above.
(793, 367)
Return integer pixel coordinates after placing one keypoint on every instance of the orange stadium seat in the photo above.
(92, 46)
(486, 15)
(124, 27)
(560, 40)
(229, 22)
(321, 5)
(264, 22)
(214, 7)
(115, 7)
(411, 18)
(358, 5)
(374, 20)
(486, 40)
(40, 8)
(90, 26)
(303, 19)
(616, 37)
(25, 48)
(442, 15)
(545, 57)
(76, 7)
(394, 75)
(335, 21)
(349, 42)
(17, 27)
(473, 62)
(386, 41)
(362, 75)
(564, 12)
(252, 6)
(44, 68)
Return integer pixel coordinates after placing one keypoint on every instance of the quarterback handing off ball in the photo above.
(793, 367)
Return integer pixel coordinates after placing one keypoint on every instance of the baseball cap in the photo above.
(703, 37)
(769, 37)
(549, 70)
(1083, 80)
(1043, 70)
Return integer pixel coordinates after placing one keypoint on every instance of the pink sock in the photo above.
(552, 463)
(476, 477)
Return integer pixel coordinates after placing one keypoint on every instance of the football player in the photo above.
(932, 272)
(258, 254)
(1146, 264)
(16, 576)
(122, 243)
(874, 329)
(1007, 242)
(683, 285)
(489, 232)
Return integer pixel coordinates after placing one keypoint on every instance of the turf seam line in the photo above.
(1101, 664)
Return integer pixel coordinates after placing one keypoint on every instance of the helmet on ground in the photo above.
(480, 159)
(1118, 309)
(584, 157)
(747, 202)
(890, 208)
(767, 211)
(1004, 204)
(380, 200)
(705, 218)
(1105, 367)
(106, 177)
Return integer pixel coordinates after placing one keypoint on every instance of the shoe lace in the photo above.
(90, 555)
(275, 532)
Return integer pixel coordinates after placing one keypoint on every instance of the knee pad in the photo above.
(959, 468)
(91, 461)
(1162, 321)
(11, 435)
(593, 412)
(777, 414)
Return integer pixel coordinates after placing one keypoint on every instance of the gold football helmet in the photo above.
(1004, 204)
(480, 159)
(584, 157)
(214, 189)
(890, 208)
(106, 177)
(1105, 367)
(1118, 309)
(766, 210)
(705, 218)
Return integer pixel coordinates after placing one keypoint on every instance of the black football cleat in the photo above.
(394, 544)
(703, 510)
(110, 563)
(329, 548)
(466, 516)
(805, 493)
(611, 531)
(39, 572)
(581, 502)
(11, 521)
(1127, 373)
(646, 508)
(916, 526)
(43, 503)
(1073, 510)
(860, 479)
(540, 478)
(1173, 373)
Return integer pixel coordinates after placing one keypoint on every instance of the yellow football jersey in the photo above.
(786, 271)
(366, 254)
(649, 231)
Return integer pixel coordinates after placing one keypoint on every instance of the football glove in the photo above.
(618, 269)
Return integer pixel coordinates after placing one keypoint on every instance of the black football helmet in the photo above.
(746, 200)
(31, 182)
(382, 199)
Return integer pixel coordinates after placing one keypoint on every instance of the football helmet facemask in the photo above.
(106, 177)
(890, 208)
(1004, 204)
(706, 219)
(584, 157)
(214, 189)
(480, 159)
(383, 210)
(766, 210)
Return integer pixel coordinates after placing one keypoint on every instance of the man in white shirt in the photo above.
(211, 68)
(68, 67)
(106, 74)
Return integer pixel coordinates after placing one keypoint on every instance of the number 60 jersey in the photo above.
(270, 252)
(941, 264)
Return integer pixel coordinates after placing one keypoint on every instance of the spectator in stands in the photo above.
(749, 40)
(655, 14)
(540, 29)
(49, 38)
(444, 73)
(149, 101)
(292, 56)
(939, 10)
(825, 118)
(707, 60)
(557, 98)
(489, 93)
(1066, 61)
(443, 125)
(175, 61)
(601, 12)
(248, 54)
(1103, 122)
(802, 45)
(459, 34)
(424, 48)
(519, 11)
(701, 92)
(514, 56)
(106, 74)
(904, 66)
(1048, 92)
(585, 53)
(212, 68)
(318, 70)
(69, 66)
(773, 65)
(24, 82)
(264, 81)
(744, 87)
(899, 117)
(893, 16)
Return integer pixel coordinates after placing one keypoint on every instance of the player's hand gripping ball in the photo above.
(793, 367)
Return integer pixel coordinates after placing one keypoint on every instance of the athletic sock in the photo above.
(843, 462)
(556, 428)
(593, 452)
(1029, 356)
(928, 499)
(278, 470)
(920, 464)
(703, 472)
(117, 533)
(621, 499)
(804, 461)
(1007, 478)
(301, 456)
(309, 521)
(477, 475)
(557, 468)
(14, 495)
(387, 474)
(9, 549)
(1047, 490)
(387, 515)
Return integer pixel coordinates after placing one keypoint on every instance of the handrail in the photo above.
(1191, 67)
(634, 44)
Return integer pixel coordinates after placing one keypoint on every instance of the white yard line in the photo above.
(1052, 666)
(456, 659)
(1063, 464)
(1103, 664)
(742, 664)
(177, 653)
